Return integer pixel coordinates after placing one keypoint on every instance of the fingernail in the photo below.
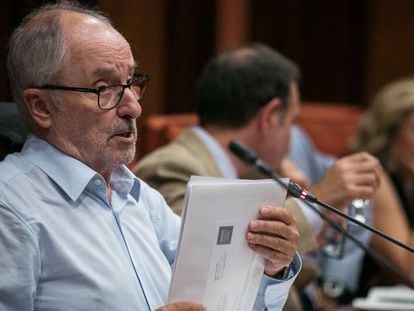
(253, 224)
(265, 210)
(250, 236)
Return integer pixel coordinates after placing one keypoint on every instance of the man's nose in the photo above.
(129, 105)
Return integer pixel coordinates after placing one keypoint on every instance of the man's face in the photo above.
(99, 56)
(277, 143)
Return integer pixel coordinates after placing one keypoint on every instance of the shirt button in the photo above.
(98, 182)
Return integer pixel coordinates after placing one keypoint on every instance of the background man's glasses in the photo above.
(109, 96)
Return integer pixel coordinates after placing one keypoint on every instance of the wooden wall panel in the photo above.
(190, 44)
(143, 23)
(233, 24)
(323, 37)
(346, 49)
(390, 43)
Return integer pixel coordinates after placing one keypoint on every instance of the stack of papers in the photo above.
(394, 298)
(214, 265)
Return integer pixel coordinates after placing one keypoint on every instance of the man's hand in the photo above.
(183, 306)
(351, 177)
(275, 237)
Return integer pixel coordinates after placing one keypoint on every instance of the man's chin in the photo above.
(123, 156)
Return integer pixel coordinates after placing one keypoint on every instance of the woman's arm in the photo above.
(389, 217)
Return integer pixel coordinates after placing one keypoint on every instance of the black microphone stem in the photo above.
(372, 229)
(250, 158)
(380, 259)
(374, 254)
(336, 211)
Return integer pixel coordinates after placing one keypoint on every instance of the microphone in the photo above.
(250, 158)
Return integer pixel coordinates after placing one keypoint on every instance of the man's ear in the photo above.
(37, 103)
(269, 115)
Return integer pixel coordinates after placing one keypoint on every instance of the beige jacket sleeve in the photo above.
(307, 240)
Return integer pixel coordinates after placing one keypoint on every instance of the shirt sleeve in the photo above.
(19, 262)
(304, 154)
(272, 292)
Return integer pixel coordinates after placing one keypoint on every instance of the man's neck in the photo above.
(223, 136)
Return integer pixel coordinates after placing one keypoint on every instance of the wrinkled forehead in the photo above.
(79, 28)
(75, 23)
(95, 43)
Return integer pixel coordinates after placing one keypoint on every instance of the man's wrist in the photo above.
(282, 274)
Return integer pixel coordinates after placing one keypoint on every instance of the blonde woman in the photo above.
(386, 130)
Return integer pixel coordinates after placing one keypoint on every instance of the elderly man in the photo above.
(78, 231)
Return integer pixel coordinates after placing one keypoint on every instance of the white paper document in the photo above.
(214, 265)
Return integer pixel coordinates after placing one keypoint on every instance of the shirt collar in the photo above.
(72, 175)
(125, 182)
(220, 156)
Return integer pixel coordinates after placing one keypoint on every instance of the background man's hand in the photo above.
(289, 169)
(351, 177)
(275, 237)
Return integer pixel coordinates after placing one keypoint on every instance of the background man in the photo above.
(249, 94)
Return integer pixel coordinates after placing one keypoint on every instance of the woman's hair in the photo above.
(380, 122)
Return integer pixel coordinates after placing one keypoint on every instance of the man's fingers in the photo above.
(274, 228)
(277, 257)
(272, 243)
(277, 214)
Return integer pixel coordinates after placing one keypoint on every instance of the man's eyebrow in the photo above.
(110, 71)
(103, 72)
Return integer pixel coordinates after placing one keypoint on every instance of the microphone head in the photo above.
(242, 152)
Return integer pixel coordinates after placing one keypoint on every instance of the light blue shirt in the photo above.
(64, 246)
(220, 157)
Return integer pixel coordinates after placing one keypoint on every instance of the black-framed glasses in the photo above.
(109, 96)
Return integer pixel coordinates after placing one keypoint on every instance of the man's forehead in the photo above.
(88, 37)
(108, 71)
(78, 18)
(80, 26)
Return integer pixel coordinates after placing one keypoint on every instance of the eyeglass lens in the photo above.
(112, 95)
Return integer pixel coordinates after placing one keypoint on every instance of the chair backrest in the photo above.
(329, 124)
(12, 131)
(160, 129)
